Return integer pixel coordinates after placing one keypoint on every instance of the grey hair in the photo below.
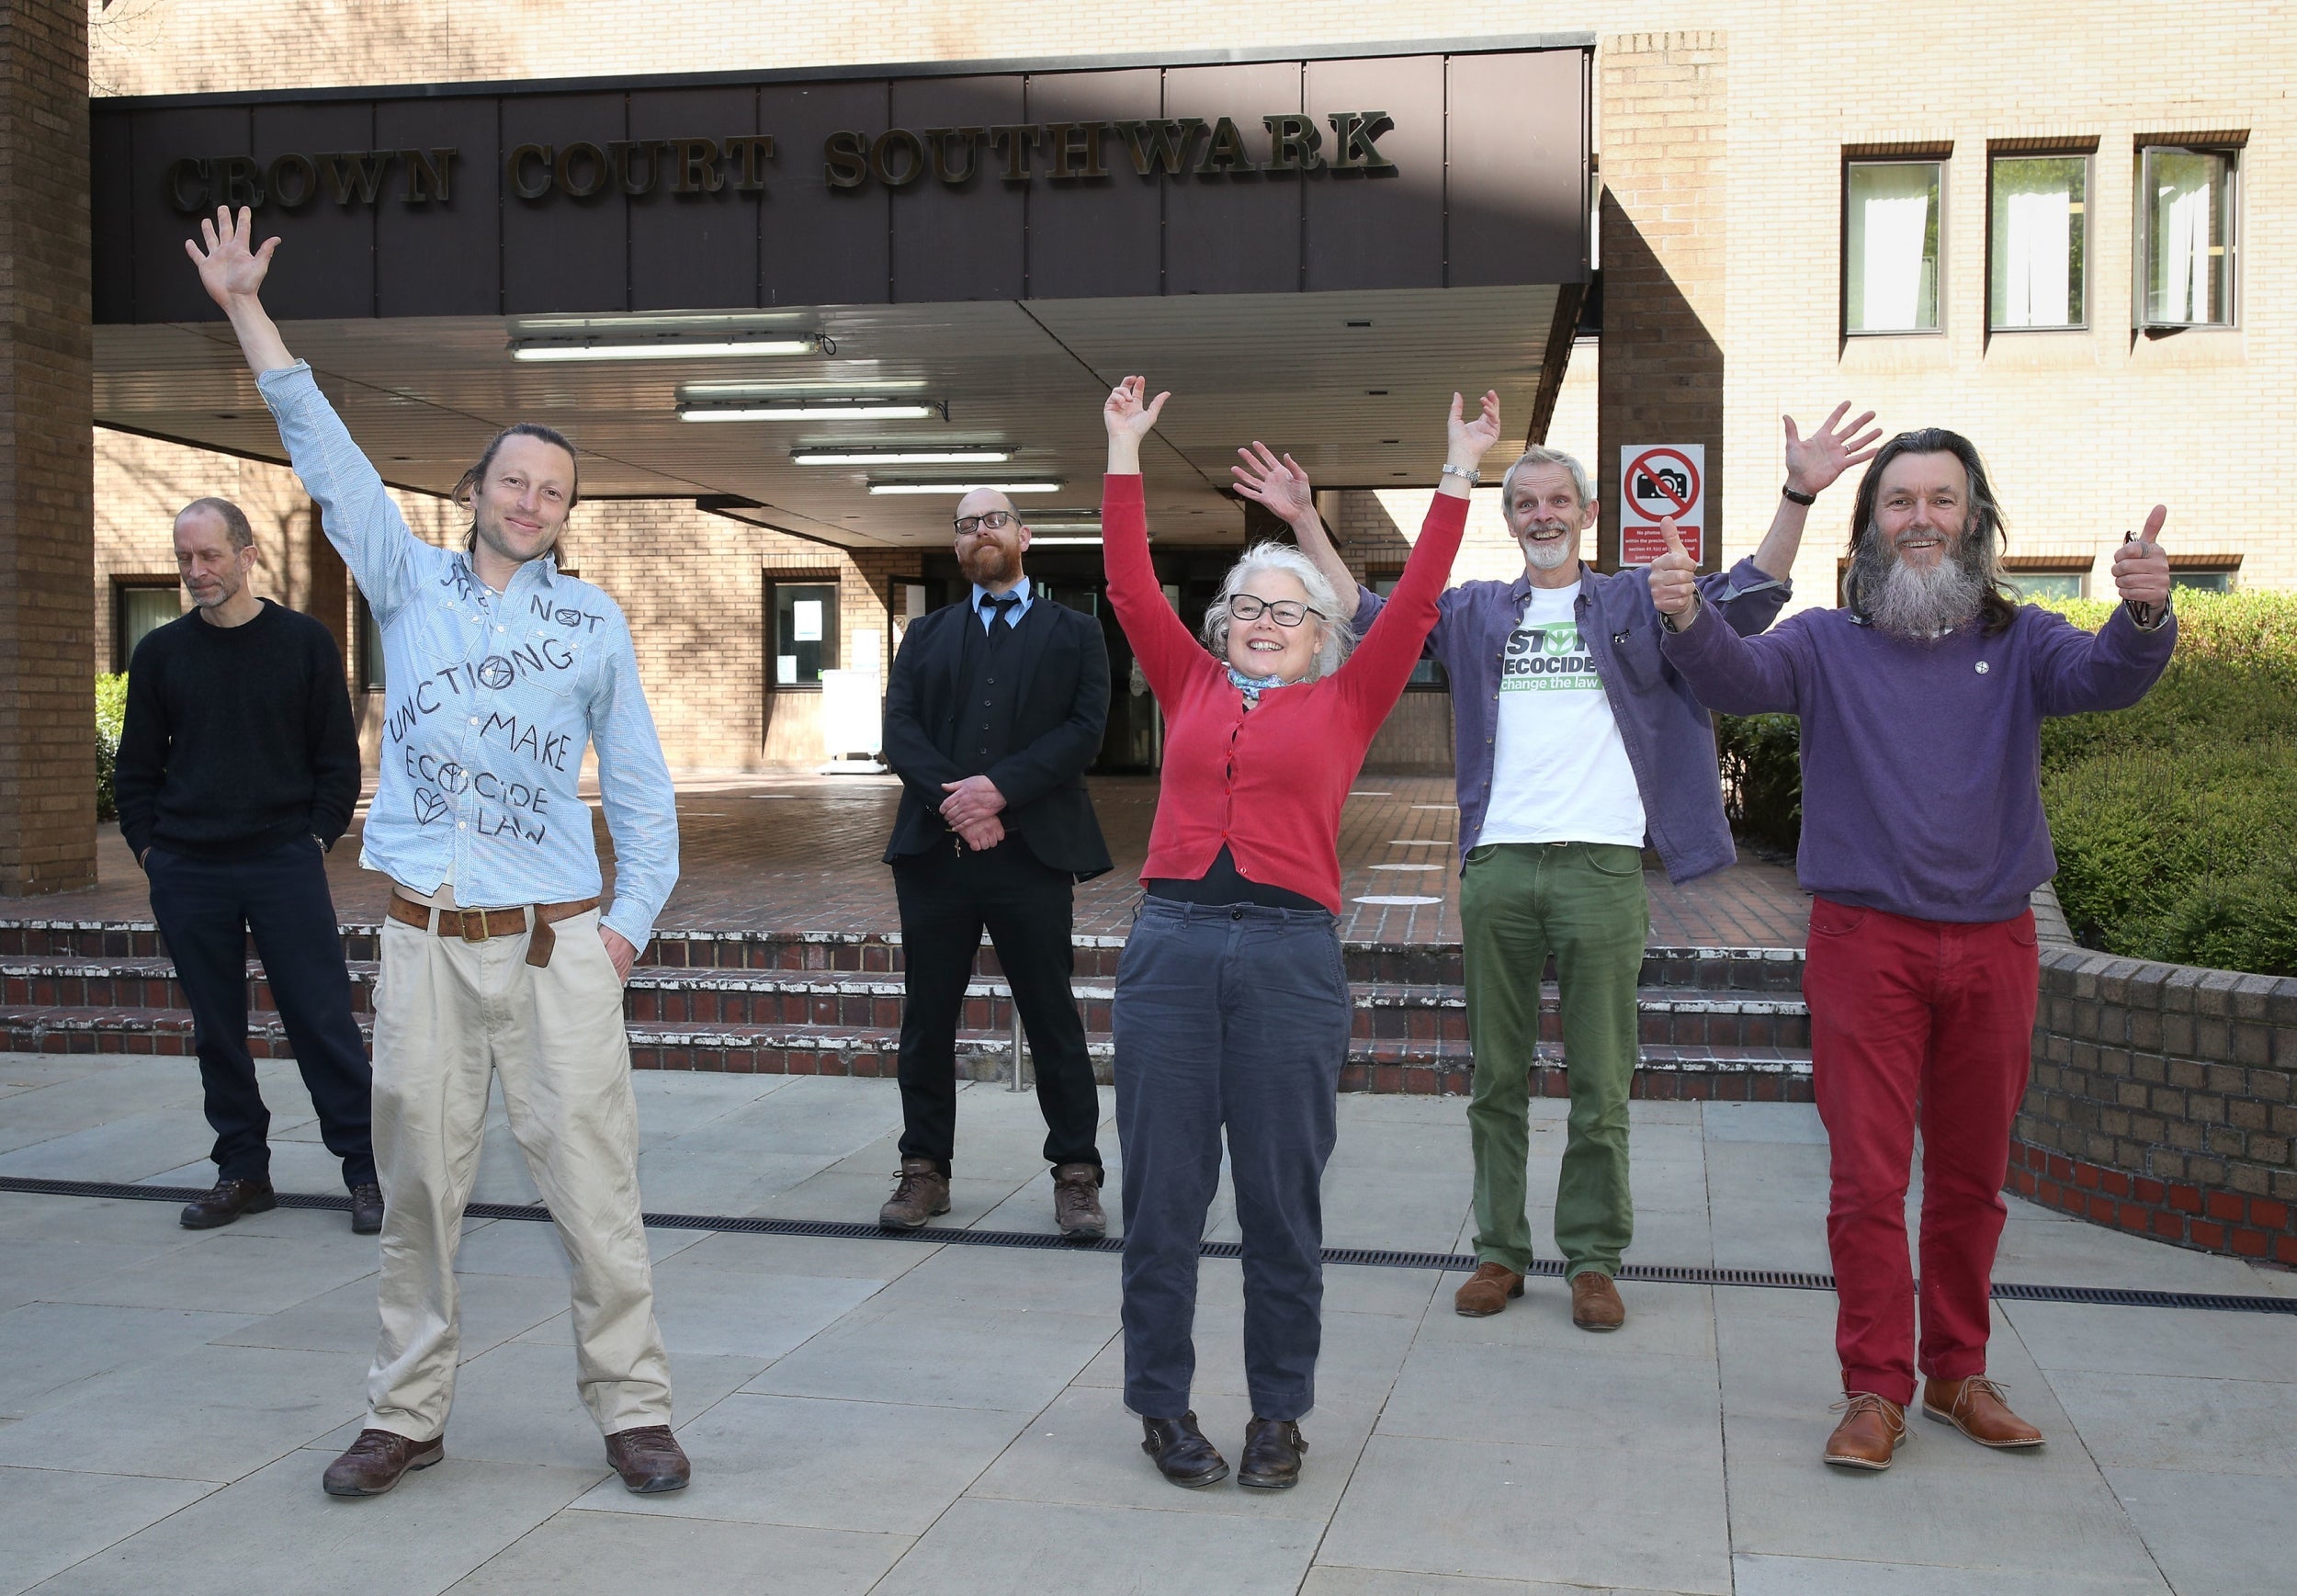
(1338, 630)
(1537, 456)
(1979, 553)
(235, 528)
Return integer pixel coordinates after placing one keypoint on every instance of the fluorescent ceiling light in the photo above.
(818, 410)
(899, 457)
(793, 391)
(1064, 525)
(667, 349)
(1037, 542)
(963, 488)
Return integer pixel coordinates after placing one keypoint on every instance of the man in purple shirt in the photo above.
(1576, 747)
(1921, 701)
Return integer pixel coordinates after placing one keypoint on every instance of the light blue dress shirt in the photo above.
(489, 700)
(1012, 615)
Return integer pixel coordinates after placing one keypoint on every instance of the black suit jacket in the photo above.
(1060, 707)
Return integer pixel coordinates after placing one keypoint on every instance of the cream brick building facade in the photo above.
(1722, 131)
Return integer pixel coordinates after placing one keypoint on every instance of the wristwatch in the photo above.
(1804, 498)
(1471, 477)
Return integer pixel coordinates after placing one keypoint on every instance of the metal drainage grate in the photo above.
(1365, 1257)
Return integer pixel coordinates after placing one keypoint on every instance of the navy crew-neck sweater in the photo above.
(1921, 760)
(237, 738)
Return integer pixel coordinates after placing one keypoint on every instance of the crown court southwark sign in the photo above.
(1427, 170)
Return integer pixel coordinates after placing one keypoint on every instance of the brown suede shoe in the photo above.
(376, 1461)
(649, 1459)
(1595, 1303)
(920, 1191)
(1871, 1429)
(227, 1202)
(1077, 1201)
(1487, 1291)
(1974, 1407)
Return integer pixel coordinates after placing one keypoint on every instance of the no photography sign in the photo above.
(1656, 481)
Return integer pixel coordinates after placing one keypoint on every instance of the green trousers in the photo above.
(1585, 903)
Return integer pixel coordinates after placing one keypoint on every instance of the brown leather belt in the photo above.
(479, 924)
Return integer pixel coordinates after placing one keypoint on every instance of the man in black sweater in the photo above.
(238, 770)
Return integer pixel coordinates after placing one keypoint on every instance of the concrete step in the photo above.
(1670, 1016)
(1431, 1065)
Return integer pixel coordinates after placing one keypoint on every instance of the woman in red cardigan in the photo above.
(1232, 1008)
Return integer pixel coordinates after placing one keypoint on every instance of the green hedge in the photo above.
(111, 707)
(2174, 820)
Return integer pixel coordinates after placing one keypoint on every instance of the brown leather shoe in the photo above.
(920, 1191)
(1595, 1303)
(1974, 1407)
(227, 1202)
(366, 1209)
(1271, 1455)
(376, 1461)
(1077, 1201)
(1871, 1429)
(649, 1459)
(1487, 1291)
(1181, 1453)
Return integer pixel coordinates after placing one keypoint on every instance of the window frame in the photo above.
(2142, 252)
(1939, 156)
(832, 638)
(1428, 675)
(122, 586)
(2085, 152)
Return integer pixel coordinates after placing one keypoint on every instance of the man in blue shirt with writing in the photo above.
(496, 957)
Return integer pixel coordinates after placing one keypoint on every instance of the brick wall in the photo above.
(2164, 1102)
(47, 719)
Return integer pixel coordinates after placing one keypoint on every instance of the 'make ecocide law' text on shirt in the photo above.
(489, 700)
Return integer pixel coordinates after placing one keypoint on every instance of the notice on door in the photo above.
(1656, 481)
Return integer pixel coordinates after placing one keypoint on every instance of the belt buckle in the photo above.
(469, 918)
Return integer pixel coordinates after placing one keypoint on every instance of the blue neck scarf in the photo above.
(1253, 686)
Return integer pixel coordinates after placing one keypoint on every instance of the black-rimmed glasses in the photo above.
(993, 520)
(1284, 612)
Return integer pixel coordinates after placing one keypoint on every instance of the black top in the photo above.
(1061, 706)
(1225, 884)
(237, 738)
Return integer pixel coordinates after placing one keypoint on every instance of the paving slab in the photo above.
(690, 1557)
(2182, 1425)
(994, 1548)
(2213, 1534)
(53, 1352)
(492, 1309)
(57, 1518)
(2154, 1341)
(933, 1355)
(1760, 1576)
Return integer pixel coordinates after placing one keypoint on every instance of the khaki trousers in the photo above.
(448, 1017)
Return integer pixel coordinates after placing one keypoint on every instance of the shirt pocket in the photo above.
(1635, 655)
(552, 660)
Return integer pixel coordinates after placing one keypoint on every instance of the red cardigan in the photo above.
(1269, 784)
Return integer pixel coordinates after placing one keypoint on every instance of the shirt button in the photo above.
(474, 720)
(988, 704)
(462, 825)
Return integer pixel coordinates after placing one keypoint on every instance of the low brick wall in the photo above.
(2164, 1102)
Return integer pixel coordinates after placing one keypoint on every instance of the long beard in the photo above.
(1912, 604)
(1545, 556)
(987, 563)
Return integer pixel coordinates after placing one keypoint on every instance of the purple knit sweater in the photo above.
(1921, 782)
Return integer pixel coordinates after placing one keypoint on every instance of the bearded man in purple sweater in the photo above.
(1921, 701)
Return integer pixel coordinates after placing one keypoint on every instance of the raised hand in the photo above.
(1813, 463)
(1281, 485)
(2141, 571)
(1674, 575)
(1469, 441)
(230, 267)
(1128, 412)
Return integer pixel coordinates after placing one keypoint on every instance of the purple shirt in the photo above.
(1921, 762)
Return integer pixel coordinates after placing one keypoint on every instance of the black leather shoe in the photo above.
(228, 1201)
(366, 1209)
(1183, 1455)
(1271, 1455)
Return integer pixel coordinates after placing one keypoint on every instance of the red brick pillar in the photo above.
(1663, 131)
(47, 454)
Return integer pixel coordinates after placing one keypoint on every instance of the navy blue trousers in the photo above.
(207, 909)
(1235, 1018)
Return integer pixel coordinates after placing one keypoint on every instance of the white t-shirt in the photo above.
(1559, 773)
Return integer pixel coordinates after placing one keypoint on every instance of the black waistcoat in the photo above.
(985, 697)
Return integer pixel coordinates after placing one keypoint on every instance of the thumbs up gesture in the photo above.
(1674, 578)
(2141, 571)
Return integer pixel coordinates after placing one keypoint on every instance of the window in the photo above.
(2185, 210)
(2202, 581)
(2051, 583)
(1427, 676)
(366, 647)
(138, 607)
(801, 624)
(2038, 242)
(1890, 245)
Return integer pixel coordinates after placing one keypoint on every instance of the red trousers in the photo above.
(1914, 1021)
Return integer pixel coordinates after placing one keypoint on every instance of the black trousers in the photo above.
(206, 910)
(946, 898)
